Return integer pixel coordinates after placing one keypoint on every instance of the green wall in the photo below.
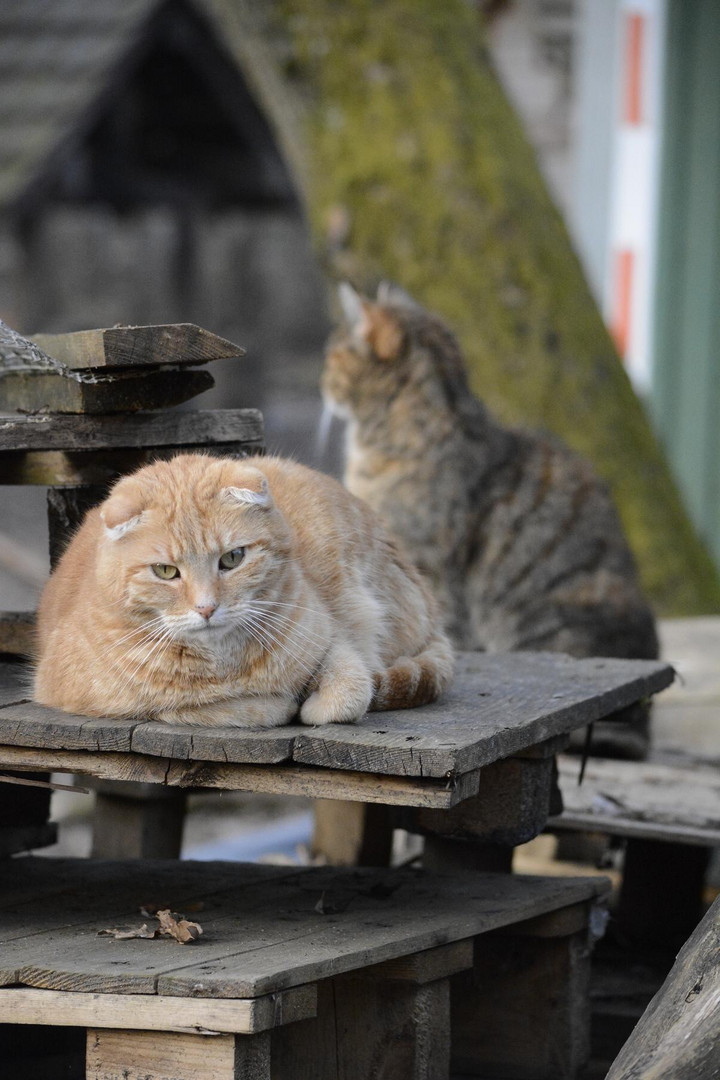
(686, 386)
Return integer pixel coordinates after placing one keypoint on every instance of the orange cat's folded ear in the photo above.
(370, 323)
(121, 513)
(256, 494)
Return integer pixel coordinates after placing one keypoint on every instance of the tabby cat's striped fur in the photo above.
(519, 537)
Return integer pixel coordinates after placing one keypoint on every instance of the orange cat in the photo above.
(217, 591)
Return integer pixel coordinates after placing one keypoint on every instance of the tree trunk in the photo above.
(414, 167)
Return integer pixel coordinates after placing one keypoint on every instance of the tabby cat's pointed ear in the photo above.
(353, 307)
(250, 496)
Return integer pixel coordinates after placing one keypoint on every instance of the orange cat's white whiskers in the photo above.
(272, 643)
(144, 628)
(165, 639)
(286, 625)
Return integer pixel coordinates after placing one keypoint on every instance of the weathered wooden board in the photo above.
(164, 1055)
(678, 1034)
(642, 799)
(498, 705)
(137, 346)
(279, 779)
(152, 1012)
(124, 391)
(261, 934)
(202, 427)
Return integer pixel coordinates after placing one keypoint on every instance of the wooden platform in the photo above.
(279, 946)
(651, 800)
(498, 706)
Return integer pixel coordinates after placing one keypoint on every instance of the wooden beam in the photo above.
(137, 346)
(202, 427)
(678, 1035)
(154, 1012)
(122, 391)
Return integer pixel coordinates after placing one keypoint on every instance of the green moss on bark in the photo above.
(409, 139)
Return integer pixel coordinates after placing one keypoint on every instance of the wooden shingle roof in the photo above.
(56, 60)
(63, 63)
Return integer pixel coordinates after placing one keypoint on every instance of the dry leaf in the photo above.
(124, 935)
(170, 925)
(175, 926)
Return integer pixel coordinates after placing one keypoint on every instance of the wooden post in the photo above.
(353, 834)
(162, 1055)
(137, 821)
(523, 1011)
(390, 1020)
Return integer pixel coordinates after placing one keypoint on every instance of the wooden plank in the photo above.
(137, 346)
(678, 1034)
(497, 705)
(103, 466)
(265, 935)
(66, 392)
(202, 427)
(143, 1055)
(17, 636)
(39, 726)
(277, 780)
(152, 1012)
(261, 746)
(642, 799)
(425, 967)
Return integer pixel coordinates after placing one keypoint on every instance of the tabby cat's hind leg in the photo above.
(416, 680)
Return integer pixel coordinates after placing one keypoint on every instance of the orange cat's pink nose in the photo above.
(206, 610)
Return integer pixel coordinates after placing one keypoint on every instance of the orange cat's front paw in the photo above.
(336, 703)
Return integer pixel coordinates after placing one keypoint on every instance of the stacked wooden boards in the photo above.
(120, 369)
(498, 708)
(357, 962)
(79, 410)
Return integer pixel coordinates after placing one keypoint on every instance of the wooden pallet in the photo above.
(310, 973)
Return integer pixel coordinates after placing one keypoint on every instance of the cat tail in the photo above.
(415, 680)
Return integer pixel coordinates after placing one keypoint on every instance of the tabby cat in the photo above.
(217, 591)
(518, 536)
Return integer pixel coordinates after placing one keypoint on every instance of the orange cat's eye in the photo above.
(165, 571)
(231, 559)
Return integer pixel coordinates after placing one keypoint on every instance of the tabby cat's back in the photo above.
(519, 537)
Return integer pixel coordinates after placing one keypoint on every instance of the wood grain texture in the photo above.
(122, 391)
(276, 779)
(498, 705)
(136, 346)
(152, 1012)
(645, 799)
(144, 1055)
(262, 930)
(153, 429)
(678, 1034)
